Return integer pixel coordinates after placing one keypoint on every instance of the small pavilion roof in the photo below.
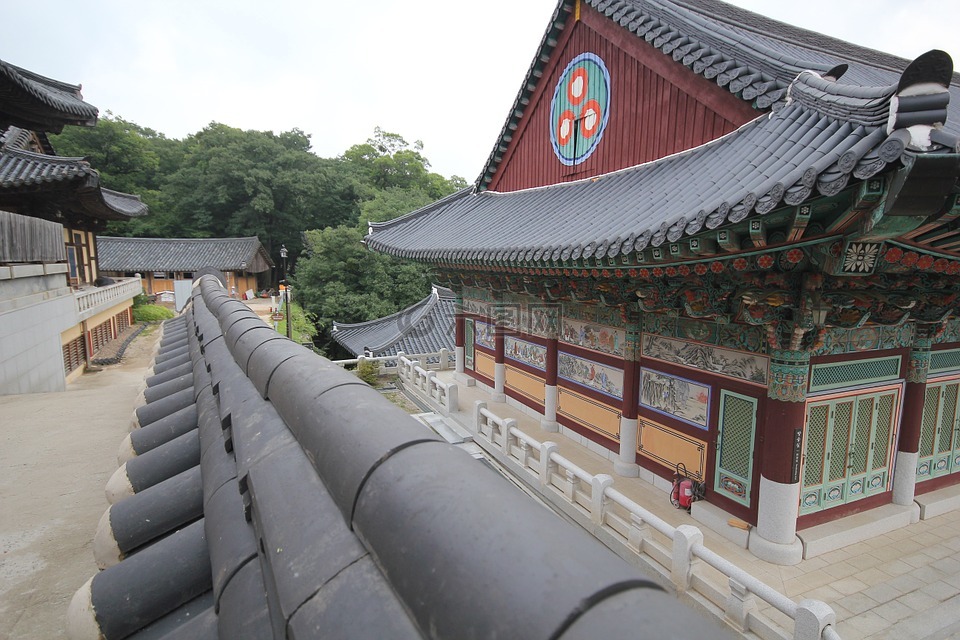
(182, 254)
(752, 56)
(35, 102)
(425, 327)
(826, 135)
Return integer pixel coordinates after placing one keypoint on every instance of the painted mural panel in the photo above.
(484, 334)
(594, 336)
(600, 377)
(542, 319)
(724, 362)
(477, 307)
(528, 353)
(468, 335)
(675, 396)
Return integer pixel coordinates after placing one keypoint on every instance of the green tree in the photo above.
(241, 183)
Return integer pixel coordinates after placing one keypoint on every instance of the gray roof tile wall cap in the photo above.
(230, 537)
(182, 254)
(52, 93)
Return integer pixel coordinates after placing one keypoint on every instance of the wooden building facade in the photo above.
(709, 239)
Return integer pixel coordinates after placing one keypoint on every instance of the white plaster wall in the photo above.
(32, 318)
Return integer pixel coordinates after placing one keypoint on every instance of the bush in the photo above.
(140, 300)
(368, 371)
(151, 313)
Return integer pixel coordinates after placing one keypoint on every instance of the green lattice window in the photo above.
(735, 440)
(944, 361)
(835, 375)
(940, 431)
(847, 450)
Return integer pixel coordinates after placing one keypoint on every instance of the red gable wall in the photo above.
(657, 107)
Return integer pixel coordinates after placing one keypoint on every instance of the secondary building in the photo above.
(163, 261)
(53, 317)
(711, 240)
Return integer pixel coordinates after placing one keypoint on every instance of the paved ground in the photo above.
(57, 451)
(905, 584)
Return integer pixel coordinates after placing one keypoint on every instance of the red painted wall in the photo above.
(658, 107)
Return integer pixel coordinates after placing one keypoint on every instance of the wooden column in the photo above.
(627, 465)
(459, 333)
(499, 367)
(914, 395)
(780, 454)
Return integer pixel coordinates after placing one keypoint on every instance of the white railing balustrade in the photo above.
(676, 553)
(390, 365)
(444, 394)
(92, 301)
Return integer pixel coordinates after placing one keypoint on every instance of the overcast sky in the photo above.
(442, 71)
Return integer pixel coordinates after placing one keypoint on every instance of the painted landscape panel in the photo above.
(724, 362)
(593, 336)
(605, 379)
(484, 334)
(528, 353)
(675, 396)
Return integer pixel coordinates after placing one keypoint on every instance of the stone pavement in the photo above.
(57, 451)
(903, 584)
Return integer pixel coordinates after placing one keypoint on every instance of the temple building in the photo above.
(422, 328)
(711, 240)
(161, 262)
(53, 319)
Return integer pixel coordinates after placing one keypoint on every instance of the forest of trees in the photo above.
(225, 182)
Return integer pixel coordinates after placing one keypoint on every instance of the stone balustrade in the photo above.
(92, 301)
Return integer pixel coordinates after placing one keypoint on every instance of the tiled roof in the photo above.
(182, 254)
(826, 136)
(752, 56)
(70, 181)
(267, 493)
(35, 102)
(425, 327)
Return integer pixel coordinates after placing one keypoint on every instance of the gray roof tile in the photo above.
(33, 101)
(425, 327)
(182, 254)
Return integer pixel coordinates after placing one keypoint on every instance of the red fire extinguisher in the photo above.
(685, 491)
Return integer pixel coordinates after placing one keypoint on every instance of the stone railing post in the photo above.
(740, 604)
(546, 465)
(478, 407)
(444, 354)
(524, 453)
(812, 617)
(684, 540)
(453, 398)
(507, 424)
(638, 533)
(598, 497)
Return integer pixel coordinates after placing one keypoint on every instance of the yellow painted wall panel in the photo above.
(72, 333)
(525, 383)
(590, 413)
(670, 447)
(485, 364)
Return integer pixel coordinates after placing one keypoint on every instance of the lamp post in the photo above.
(286, 291)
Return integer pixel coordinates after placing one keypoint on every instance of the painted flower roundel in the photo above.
(580, 109)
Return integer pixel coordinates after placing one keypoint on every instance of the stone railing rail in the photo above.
(92, 301)
(436, 360)
(677, 555)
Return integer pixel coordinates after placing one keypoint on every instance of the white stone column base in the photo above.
(905, 478)
(549, 421)
(499, 378)
(549, 425)
(459, 360)
(778, 509)
(774, 552)
(627, 466)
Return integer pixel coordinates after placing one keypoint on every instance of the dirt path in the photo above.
(57, 451)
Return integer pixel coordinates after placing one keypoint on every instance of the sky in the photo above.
(445, 72)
